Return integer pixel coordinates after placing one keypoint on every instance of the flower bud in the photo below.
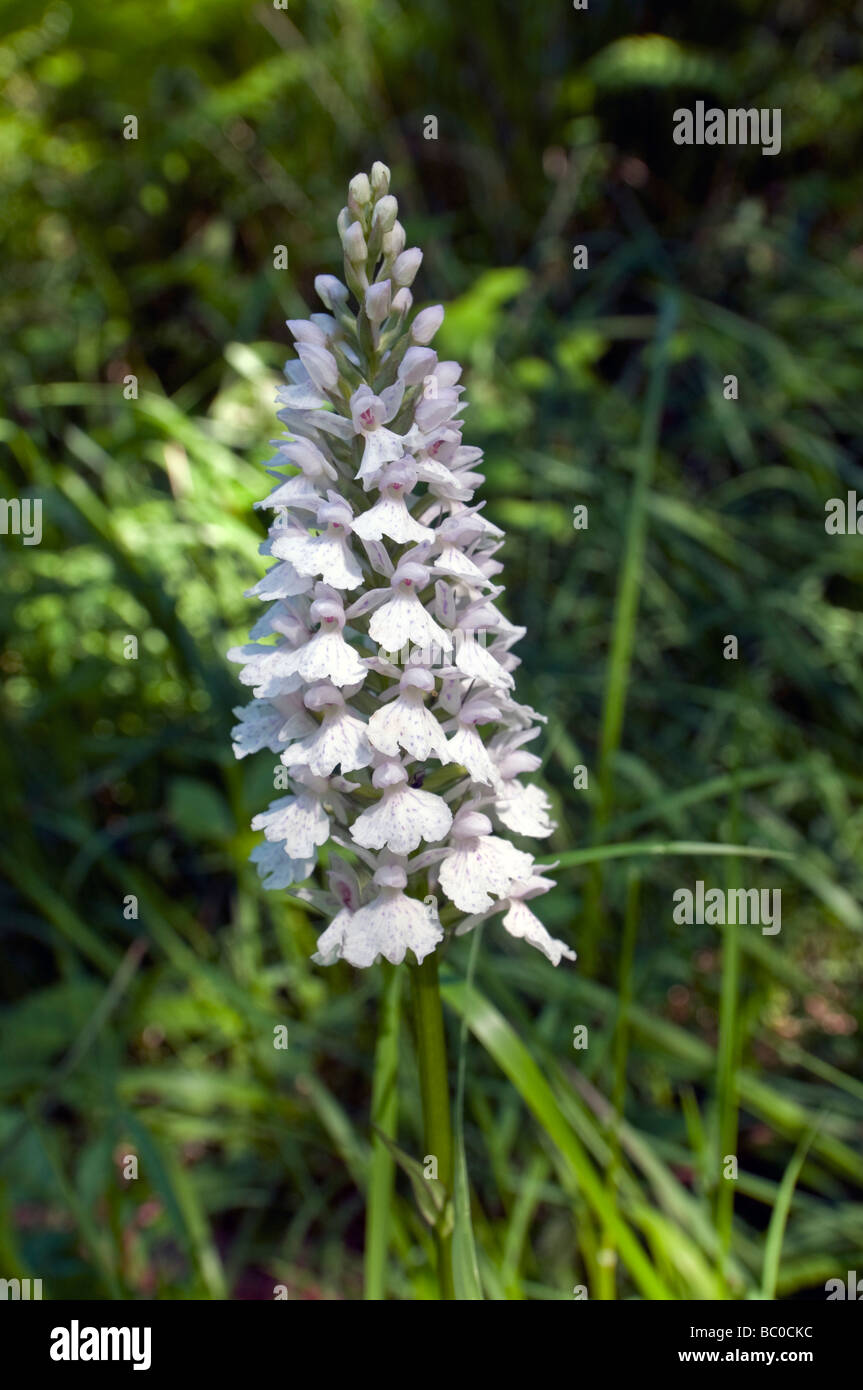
(330, 291)
(380, 179)
(306, 332)
(406, 266)
(355, 244)
(377, 301)
(516, 763)
(326, 323)
(359, 194)
(427, 323)
(393, 242)
(402, 302)
(385, 214)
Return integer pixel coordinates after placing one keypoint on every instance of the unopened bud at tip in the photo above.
(359, 193)
(380, 179)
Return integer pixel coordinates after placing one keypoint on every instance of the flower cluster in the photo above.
(388, 690)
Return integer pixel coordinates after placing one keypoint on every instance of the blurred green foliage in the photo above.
(153, 257)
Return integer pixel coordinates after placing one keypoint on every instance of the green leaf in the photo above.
(178, 1190)
(198, 810)
(430, 1193)
(573, 857)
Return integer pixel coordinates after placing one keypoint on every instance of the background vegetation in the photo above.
(706, 517)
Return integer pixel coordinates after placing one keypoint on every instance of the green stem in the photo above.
(384, 1121)
(434, 1088)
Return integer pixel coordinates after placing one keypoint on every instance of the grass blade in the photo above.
(464, 1261)
(593, 854)
(779, 1216)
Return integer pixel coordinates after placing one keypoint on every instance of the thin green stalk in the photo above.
(726, 1083)
(434, 1088)
(384, 1114)
(779, 1217)
(625, 618)
(728, 1060)
(607, 1271)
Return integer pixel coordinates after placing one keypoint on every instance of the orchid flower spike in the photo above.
(381, 667)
